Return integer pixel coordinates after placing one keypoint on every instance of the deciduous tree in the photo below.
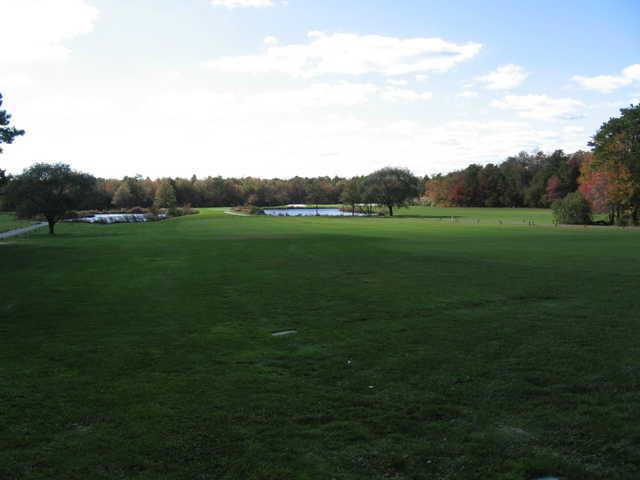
(391, 187)
(122, 196)
(608, 187)
(616, 147)
(50, 190)
(165, 195)
(353, 193)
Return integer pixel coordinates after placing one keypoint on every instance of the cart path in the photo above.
(20, 231)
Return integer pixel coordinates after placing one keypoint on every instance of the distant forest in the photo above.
(606, 179)
(526, 180)
(531, 180)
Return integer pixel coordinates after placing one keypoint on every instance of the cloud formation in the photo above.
(609, 83)
(267, 133)
(37, 29)
(404, 95)
(231, 4)
(505, 77)
(541, 107)
(468, 94)
(351, 54)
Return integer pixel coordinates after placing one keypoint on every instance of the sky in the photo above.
(274, 88)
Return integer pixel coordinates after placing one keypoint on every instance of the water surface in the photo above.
(307, 212)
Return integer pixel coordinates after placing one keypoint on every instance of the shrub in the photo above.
(572, 210)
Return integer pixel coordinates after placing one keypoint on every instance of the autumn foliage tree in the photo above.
(616, 149)
(165, 196)
(608, 187)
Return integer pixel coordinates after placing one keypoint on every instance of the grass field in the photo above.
(8, 222)
(490, 215)
(426, 349)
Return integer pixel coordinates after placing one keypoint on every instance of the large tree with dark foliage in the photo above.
(7, 134)
(50, 190)
(391, 187)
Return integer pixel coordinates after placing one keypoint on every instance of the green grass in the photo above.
(425, 350)
(491, 215)
(8, 222)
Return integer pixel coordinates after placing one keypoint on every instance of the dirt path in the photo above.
(20, 231)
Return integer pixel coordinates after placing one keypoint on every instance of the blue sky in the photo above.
(272, 88)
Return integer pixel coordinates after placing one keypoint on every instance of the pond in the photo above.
(308, 212)
(115, 218)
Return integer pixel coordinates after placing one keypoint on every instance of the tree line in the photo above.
(603, 180)
(525, 180)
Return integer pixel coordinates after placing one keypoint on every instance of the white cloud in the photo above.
(321, 95)
(270, 133)
(256, 125)
(609, 83)
(231, 4)
(404, 95)
(352, 54)
(313, 97)
(504, 78)
(541, 107)
(398, 82)
(37, 29)
(455, 144)
(468, 94)
(16, 79)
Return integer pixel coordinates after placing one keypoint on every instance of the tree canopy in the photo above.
(572, 210)
(524, 180)
(7, 133)
(50, 191)
(616, 147)
(165, 195)
(391, 187)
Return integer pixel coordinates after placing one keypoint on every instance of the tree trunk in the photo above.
(390, 210)
(618, 215)
(51, 223)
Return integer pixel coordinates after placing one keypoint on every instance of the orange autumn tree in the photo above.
(608, 187)
(616, 148)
